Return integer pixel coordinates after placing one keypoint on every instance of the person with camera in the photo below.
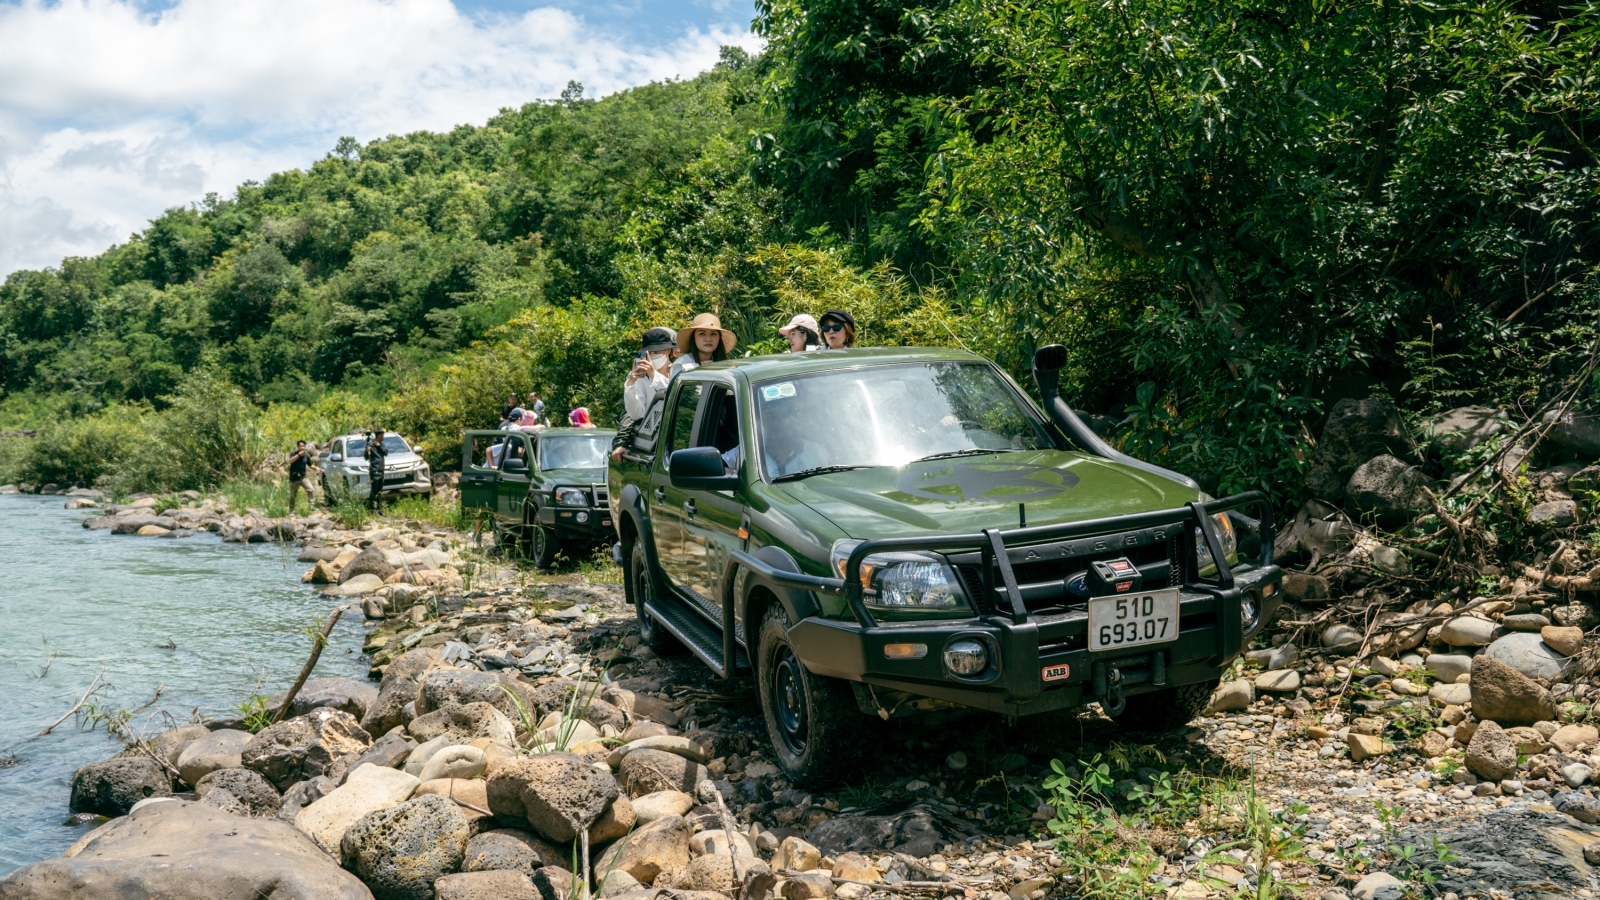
(299, 460)
(377, 455)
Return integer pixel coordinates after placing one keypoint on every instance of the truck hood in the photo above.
(574, 477)
(968, 494)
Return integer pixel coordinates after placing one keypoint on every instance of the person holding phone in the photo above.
(650, 373)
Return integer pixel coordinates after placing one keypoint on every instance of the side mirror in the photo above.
(515, 465)
(700, 469)
(337, 457)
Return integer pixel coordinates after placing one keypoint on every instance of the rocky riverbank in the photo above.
(1385, 737)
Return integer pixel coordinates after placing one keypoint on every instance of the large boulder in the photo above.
(177, 850)
(254, 794)
(559, 795)
(370, 788)
(1461, 429)
(1467, 631)
(111, 787)
(444, 687)
(1491, 754)
(1576, 431)
(1356, 431)
(304, 747)
(400, 851)
(1528, 654)
(347, 694)
(398, 687)
(647, 771)
(1389, 489)
(660, 846)
(368, 562)
(1504, 695)
(512, 848)
(463, 723)
(220, 749)
(170, 744)
(459, 761)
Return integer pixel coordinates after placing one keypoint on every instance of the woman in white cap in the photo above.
(802, 333)
(704, 341)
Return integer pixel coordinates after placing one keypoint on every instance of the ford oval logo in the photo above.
(1078, 585)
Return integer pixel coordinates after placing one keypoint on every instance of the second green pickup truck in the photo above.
(541, 490)
(875, 533)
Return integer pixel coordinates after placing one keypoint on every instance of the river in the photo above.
(211, 623)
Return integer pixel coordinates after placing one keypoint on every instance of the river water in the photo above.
(211, 623)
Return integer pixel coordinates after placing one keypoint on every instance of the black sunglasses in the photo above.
(833, 326)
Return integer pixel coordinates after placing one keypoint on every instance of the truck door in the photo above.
(712, 518)
(477, 475)
(667, 503)
(511, 487)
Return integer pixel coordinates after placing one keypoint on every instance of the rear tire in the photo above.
(509, 541)
(641, 587)
(813, 723)
(1167, 709)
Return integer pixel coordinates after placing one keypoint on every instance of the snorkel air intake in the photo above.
(1047, 365)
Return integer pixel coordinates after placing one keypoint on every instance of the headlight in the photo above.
(572, 497)
(1230, 543)
(903, 581)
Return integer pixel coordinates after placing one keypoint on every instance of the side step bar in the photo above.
(694, 632)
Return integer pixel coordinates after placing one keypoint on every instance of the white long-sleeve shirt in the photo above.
(637, 397)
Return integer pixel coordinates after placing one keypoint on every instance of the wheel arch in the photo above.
(759, 594)
(633, 525)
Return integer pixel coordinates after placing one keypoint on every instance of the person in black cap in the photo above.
(838, 329)
(647, 381)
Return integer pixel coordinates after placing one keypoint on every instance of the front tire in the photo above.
(812, 721)
(542, 545)
(641, 587)
(1167, 709)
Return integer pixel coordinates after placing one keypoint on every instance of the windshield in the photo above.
(393, 443)
(890, 416)
(577, 452)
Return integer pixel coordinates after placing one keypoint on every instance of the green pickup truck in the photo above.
(542, 490)
(887, 532)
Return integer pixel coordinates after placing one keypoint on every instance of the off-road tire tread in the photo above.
(650, 633)
(1167, 709)
(836, 733)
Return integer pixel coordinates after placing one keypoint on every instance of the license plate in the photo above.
(1128, 620)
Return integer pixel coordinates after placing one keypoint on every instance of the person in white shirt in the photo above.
(651, 372)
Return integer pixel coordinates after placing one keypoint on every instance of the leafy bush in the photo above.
(210, 433)
(80, 451)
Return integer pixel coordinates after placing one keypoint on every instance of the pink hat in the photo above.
(803, 320)
(579, 416)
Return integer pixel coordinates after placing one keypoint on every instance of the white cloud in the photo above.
(109, 115)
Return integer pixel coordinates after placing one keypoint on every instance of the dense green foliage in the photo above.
(1232, 214)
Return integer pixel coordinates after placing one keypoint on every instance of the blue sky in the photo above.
(114, 110)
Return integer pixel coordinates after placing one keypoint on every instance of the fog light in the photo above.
(905, 651)
(582, 518)
(1249, 613)
(966, 657)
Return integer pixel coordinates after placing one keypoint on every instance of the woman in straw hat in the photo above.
(704, 341)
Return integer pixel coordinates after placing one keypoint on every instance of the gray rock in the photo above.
(486, 886)
(170, 744)
(255, 794)
(317, 554)
(1356, 431)
(1462, 429)
(1578, 432)
(1528, 654)
(111, 787)
(1282, 680)
(178, 850)
(367, 562)
(1575, 774)
(398, 688)
(1525, 622)
(1507, 696)
(558, 794)
(1378, 886)
(1447, 667)
(301, 795)
(439, 689)
(1341, 639)
(1582, 807)
(1554, 514)
(914, 832)
(389, 751)
(1467, 631)
(400, 851)
(647, 771)
(1388, 488)
(304, 747)
(346, 694)
(1390, 561)
(463, 723)
(219, 749)
(1491, 754)
(511, 848)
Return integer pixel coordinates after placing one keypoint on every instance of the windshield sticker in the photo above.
(778, 391)
(989, 481)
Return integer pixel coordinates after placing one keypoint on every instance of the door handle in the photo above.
(689, 507)
(661, 494)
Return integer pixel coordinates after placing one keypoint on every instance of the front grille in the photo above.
(1044, 582)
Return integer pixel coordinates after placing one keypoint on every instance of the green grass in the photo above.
(430, 509)
(271, 497)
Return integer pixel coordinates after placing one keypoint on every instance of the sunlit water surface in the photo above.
(211, 623)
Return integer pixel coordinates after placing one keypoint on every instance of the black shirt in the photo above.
(376, 454)
(297, 465)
